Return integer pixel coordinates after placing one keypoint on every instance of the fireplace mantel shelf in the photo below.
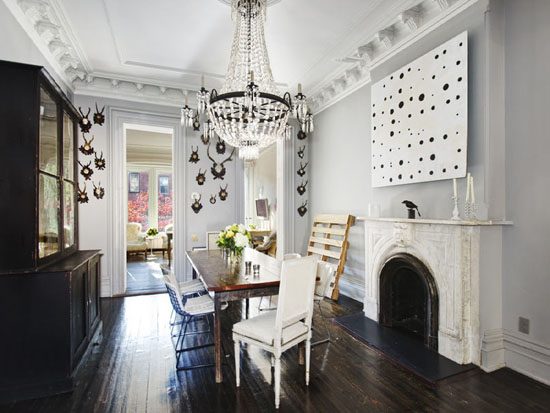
(438, 221)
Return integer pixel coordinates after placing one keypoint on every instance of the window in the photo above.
(150, 198)
(138, 198)
(164, 200)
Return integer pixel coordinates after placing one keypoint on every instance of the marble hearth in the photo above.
(464, 260)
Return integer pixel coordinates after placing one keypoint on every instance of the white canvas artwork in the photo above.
(420, 118)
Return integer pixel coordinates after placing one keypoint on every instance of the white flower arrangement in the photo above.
(235, 238)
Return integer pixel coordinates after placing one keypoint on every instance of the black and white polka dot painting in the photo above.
(420, 118)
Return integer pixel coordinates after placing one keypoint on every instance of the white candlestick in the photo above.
(472, 190)
(299, 88)
(468, 187)
(202, 81)
(455, 192)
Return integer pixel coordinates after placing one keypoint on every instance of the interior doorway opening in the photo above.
(149, 207)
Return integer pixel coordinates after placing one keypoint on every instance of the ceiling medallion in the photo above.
(249, 112)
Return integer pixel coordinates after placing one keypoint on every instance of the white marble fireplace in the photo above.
(463, 258)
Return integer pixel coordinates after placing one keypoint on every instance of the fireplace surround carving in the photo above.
(452, 253)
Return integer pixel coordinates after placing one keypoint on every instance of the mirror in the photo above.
(261, 200)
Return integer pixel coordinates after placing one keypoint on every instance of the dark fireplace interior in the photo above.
(409, 299)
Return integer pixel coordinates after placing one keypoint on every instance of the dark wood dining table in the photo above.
(228, 282)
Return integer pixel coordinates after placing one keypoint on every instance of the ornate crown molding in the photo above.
(404, 29)
(46, 24)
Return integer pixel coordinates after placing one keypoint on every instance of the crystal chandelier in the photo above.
(249, 111)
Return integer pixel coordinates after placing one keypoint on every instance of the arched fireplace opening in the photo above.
(409, 299)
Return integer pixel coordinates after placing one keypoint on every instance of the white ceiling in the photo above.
(173, 42)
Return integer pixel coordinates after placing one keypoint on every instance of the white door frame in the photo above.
(117, 206)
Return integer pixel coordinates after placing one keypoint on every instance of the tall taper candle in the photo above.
(468, 187)
(455, 193)
(473, 196)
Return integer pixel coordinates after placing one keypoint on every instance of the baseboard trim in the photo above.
(527, 356)
(351, 289)
(492, 350)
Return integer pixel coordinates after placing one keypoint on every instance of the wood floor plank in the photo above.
(133, 370)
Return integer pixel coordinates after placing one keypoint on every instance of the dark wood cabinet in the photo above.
(38, 176)
(50, 319)
(49, 290)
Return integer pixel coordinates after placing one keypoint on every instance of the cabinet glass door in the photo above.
(48, 161)
(48, 215)
(68, 213)
(68, 147)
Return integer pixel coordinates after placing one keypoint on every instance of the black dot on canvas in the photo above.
(401, 162)
(401, 104)
(437, 56)
(445, 86)
(431, 139)
(448, 101)
(391, 133)
(431, 172)
(401, 76)
(433, 107)
(445, 136)
(459, 79)
(391, 111)
(400, 90)
(457, 62)
(400, 176)
(459, 150)
(432, 157)
(421, 97)
(444, 170)
(456, 166)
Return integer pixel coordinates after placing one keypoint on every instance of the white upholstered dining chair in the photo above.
(325, 273)
(286, 257)
(290, 325)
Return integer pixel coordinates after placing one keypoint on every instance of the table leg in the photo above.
(217, 338)
(247, 308)
(194, 273)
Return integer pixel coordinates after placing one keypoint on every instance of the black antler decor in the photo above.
(302, 210)
(302, 188)
(196, 123)
(99, 161)
(223, 194)
(196, 206)
(218, 169)
(99, 191)
(82, 195)
(301, 135)
(213, 199)
(220, 147)
(84, 122)
(87, 148)
(86, 171)
(302, 171)
(301, 152)
(194, 158)
(201, 177)
(99, 117)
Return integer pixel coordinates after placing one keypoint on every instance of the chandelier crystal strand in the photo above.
(249, 111)
(187, 114)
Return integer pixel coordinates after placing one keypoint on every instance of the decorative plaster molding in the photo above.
(404, 29)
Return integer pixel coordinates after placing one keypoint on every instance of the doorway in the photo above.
(149, 190)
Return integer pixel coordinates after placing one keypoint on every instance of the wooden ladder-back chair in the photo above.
(329, 241)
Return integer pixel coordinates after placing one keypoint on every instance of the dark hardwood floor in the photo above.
(133, 370)
(145, 276)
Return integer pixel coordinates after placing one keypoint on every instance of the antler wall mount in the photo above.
(218, 169)
(84, 122)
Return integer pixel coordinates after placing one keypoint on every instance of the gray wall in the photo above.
(526, 262)
(93, 216)
(340, 149)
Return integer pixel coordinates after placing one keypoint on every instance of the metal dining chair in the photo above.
(193, 308)
(277, 331)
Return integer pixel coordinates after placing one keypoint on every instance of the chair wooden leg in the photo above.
(308, 354)
(277, 380)
(237, 363)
